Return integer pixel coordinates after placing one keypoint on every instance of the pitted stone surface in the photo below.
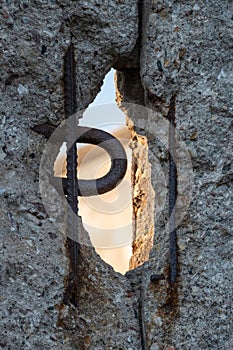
(187, 51)
(34, 37)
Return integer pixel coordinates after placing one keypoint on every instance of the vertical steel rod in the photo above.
(172, 192)
(71, 173)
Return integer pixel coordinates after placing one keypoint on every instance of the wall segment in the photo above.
(185, 48)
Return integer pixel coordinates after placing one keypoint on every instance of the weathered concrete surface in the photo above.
(142, 201)
(34, 37)
(187, 51)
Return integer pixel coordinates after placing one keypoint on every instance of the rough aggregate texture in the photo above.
(185, 50)
(34, 37)
(143, 202)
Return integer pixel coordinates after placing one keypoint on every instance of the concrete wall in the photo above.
(185, 50)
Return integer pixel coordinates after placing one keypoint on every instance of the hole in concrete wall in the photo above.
(108, 217)
(120, 223)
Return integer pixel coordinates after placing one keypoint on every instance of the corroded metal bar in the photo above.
(96, 137)
(118, 164)
(172, 192)
(71, 173)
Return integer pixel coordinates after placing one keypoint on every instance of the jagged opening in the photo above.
(108, 217)
(120, 222)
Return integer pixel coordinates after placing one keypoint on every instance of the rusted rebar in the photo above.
(172, 192)
(97, 137)
(71, 174)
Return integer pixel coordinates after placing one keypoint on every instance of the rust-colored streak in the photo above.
(167, 295)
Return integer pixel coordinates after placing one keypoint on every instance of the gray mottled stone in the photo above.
(34, 37)
(187, 51)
